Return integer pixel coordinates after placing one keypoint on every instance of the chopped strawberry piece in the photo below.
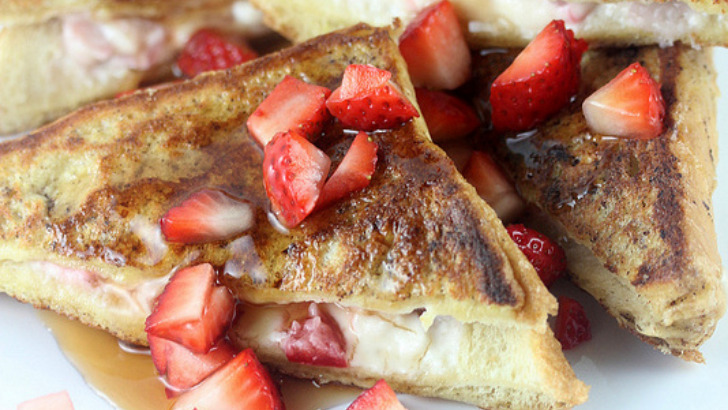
(493, 186)
(55, 401)
(191, 311)
(572, 325)
(434, 47)
(379, 397)
(447, 117)
(294, 172)
(292, 104)
(205, 216)
(630, 105)
(367, 100)
(209, 50)
(242, 383)
(315, 340)
(184, 368)
(546, 256)
(353, 173)
(540, 81)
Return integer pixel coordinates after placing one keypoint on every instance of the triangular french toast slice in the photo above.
(416, 252)
(637, 214)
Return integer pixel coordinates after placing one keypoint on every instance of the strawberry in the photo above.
(540, 81)
(353, 173)
(379, 397)
(572, 325)
(242, 383)
(205, 216)
(184, 368)
(191, 311)
(447, 117)
(209, 50)
(547, 257)
(493, 186)
(630, 105)
(294, 172)
(56, 401)
(434, 47)
(315, 340)
(367, 100)
(292, 104)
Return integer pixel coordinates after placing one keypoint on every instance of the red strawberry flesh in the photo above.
(630, 105)
(367, 100)
(545, 255)
(294, 172)
(434, 47)
(493, 186)
(572, 324)
(316, 340)
(353, 173)
(292, 104)
(209, 50)
(380, 397)
(447, 116)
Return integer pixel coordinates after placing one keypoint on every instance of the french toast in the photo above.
(417, 250)
(637, 213)
(513, 23)
(59, 55)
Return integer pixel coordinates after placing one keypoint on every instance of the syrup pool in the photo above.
(128, 380)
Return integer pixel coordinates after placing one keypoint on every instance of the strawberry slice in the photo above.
(292, 104)
(56, 401)
(540, 81)
(242, 383)
(367, 100)
(191, 311)
(316, 340)
(209, 50)
(546, 256)
(572, 325)
(630, 105)
(205, 216)
(493, 186)
(294, 172)
(434, 47)
(353, 173)
(380, 397)
(447, 117)
(184, 368)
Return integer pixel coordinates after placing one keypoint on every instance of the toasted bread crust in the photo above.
(642, 207)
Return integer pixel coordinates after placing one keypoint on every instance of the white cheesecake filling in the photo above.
(375, 341)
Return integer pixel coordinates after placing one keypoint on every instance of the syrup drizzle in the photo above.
(124, 374)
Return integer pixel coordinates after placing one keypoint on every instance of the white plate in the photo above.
(623, 372)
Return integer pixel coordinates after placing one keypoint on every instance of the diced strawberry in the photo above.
(205, 216)
(572, 325)
(315, 340)
(242, 383)
(191, 311)
(493, 186)
(294, 172)
(379, 397)
(546, 256)
(434, 47)
(630, 105)
(55, 401)
(292, 104)
(447, 117)
(184, 368)
(367, 100)
(540, 81)
(353, 173)
(209, 50)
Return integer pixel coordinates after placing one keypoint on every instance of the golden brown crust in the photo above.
(642, 207)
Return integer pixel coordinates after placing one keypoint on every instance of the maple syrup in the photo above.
(126, 376)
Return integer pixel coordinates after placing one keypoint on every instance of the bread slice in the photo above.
(83, 198)
(637, 214)
(56, 56)
(513, 23)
